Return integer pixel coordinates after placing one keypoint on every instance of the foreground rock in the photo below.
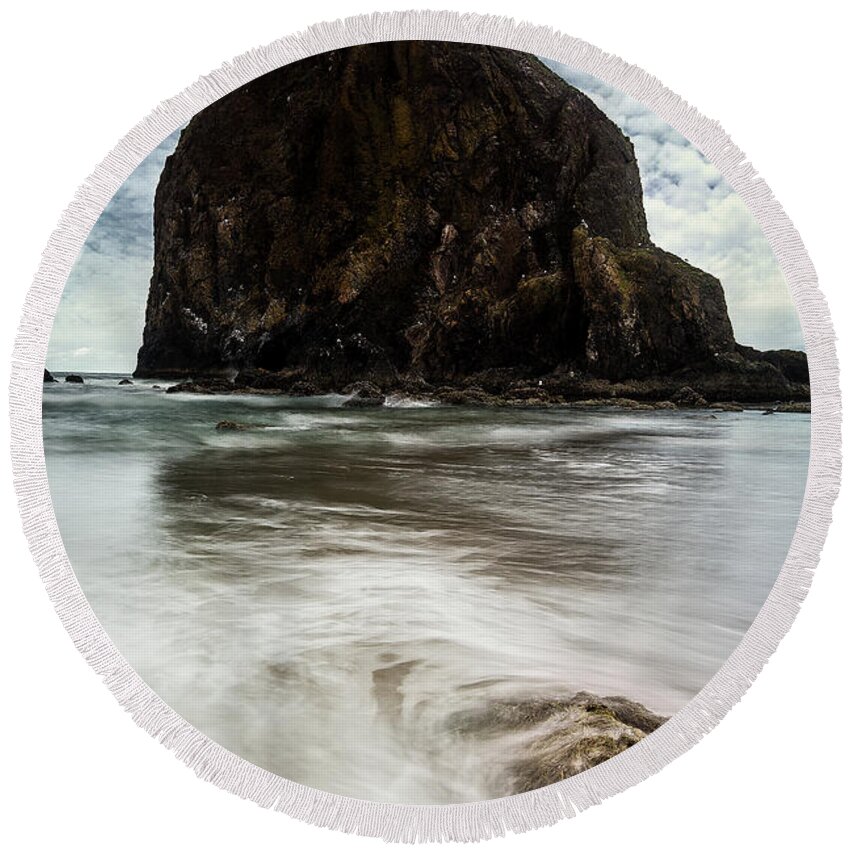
(428, 212)
(48, 378)
(556, 739)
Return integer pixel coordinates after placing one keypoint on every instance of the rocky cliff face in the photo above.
(415, 211)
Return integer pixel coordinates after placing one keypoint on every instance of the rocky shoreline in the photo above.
(489, 391)
(501, 391)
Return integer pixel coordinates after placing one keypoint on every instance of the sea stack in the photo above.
(423, 212)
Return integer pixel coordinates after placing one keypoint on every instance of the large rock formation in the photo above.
(417, 211)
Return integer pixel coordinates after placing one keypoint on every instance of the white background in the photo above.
(74, 768)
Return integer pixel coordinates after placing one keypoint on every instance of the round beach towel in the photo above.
(431, 434)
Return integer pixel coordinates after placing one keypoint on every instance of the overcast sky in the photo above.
(691, 210)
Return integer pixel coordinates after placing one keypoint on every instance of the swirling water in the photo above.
(325, 594)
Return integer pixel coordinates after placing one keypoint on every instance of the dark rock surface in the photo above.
(203, 386)
(262, 379)
(74, 379)
(304, 388)
(794, 407)
(229, 425)
(556, 739)
(793, 365)
(688, 397)
(425, 213)
(125, 382)
(364, 394)
(48, 378)
(363, 389)
(363, 401)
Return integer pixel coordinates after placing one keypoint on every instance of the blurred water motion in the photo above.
(323, 594)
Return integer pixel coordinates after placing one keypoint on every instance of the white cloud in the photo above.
(693, 212)
(98, 327)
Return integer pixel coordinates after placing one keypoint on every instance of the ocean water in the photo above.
(324, 595)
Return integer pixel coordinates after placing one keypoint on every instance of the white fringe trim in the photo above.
(469, 821)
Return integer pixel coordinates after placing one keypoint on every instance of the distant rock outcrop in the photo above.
(48, 378)
(422, 212)
(74, 379)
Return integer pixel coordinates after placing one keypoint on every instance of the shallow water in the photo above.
(324, 595)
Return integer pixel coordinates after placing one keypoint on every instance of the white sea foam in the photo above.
(323, 594)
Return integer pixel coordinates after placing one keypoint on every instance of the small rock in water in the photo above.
(73, 379)
(124, 382)
(48, 378)
(228, 425)
(364, 389)
(364, 394)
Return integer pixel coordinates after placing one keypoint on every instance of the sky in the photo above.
(691, 211)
